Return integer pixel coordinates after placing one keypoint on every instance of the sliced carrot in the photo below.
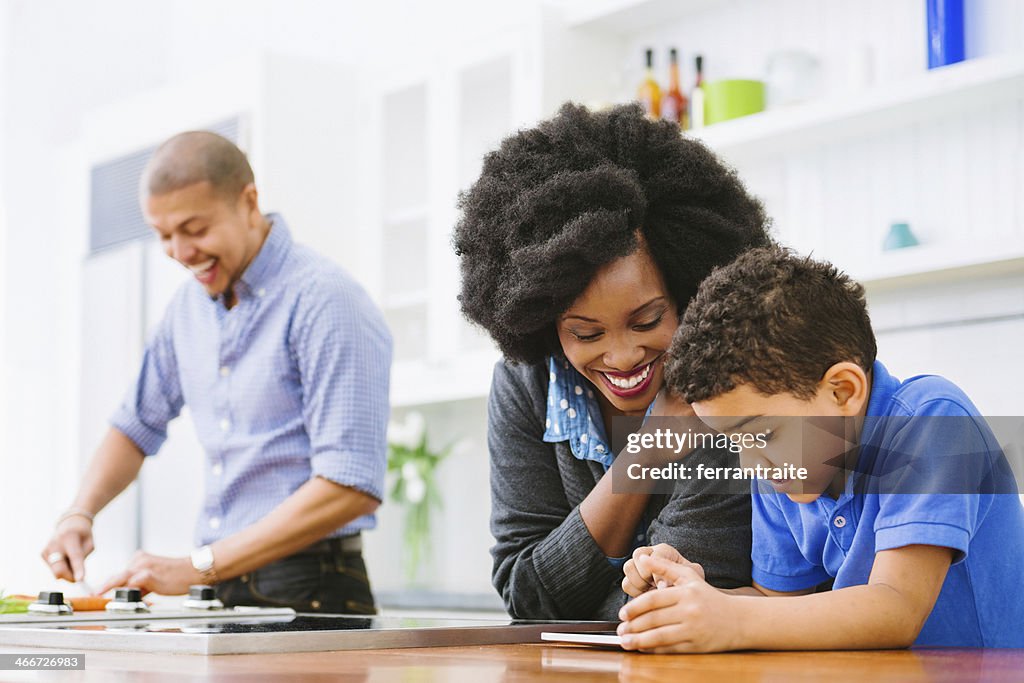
(91, 603)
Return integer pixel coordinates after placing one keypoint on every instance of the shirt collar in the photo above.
(573, 414)
(883, 387)
(270, 257)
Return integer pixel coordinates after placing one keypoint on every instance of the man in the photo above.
(284, 363)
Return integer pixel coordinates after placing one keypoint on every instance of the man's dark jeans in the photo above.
(328, 577)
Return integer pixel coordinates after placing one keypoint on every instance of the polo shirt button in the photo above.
(225, 371)
(214, 522)
(217, 470)
(225, 425)
(261, 292)
(839, 521)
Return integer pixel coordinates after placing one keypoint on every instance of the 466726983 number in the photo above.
(57, 662)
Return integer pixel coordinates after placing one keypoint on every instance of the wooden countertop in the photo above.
(522, 663)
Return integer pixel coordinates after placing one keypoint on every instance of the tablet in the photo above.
(599, 638)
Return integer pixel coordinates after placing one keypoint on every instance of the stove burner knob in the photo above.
(201, 593)
(51, 598)
(50, 603)
(127, 595)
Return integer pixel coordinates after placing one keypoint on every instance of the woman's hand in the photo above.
(669, 414)
(639, 579)
(689, 615)
(667, 404)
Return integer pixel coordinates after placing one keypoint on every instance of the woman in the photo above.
(580, 245)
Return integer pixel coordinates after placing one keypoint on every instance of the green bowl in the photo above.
(732, 98)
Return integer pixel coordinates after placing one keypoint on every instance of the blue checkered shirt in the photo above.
(290, 383)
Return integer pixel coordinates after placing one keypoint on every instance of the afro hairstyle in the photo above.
(556, 202)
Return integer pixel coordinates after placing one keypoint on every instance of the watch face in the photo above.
(202, 559)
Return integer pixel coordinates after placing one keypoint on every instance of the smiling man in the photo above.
(284, 362)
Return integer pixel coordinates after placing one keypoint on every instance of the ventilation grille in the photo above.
(114, 214)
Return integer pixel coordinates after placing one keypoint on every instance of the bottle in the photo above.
(649, 93)
(697, 97)
(674, 103)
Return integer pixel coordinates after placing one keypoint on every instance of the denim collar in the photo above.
(573, 414)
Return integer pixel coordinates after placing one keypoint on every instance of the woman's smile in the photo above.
(632, 383)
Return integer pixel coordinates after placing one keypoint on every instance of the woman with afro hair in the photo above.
(580, 246)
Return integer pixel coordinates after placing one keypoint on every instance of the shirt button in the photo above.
(315, 604)
(599, 448)
(261, 292)
(225, 371)
(225, 425)
(839, 521)
(214, 522)
(217, 470)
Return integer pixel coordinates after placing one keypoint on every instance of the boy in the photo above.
(919, 562)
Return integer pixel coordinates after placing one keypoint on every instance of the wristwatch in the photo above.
(202, 560)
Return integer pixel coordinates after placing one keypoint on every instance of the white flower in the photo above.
(410, 471)
(416, 487)
(409, 432)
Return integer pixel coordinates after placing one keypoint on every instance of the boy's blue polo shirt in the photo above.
(797, 546)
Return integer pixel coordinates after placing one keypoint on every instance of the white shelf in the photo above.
(937, 263)
(627, 16)
(419, 382)
(940, 92)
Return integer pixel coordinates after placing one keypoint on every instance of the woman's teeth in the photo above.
(629, 382)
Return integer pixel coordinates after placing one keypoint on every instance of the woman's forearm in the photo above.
(612, 518)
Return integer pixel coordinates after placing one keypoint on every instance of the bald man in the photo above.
(284, 363)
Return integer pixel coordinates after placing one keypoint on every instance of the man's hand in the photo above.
(156, 574)
(689, 615)
(72, 540)
(639, 580)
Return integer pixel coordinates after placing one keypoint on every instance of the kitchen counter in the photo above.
(539, 662)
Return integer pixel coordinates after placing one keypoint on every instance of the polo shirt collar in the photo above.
(883, 388)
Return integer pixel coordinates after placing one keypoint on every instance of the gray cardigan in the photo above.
(546, 563)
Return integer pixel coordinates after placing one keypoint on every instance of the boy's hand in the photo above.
(687, 616)
(639, 580)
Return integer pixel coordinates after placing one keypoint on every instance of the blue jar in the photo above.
(945, 32)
